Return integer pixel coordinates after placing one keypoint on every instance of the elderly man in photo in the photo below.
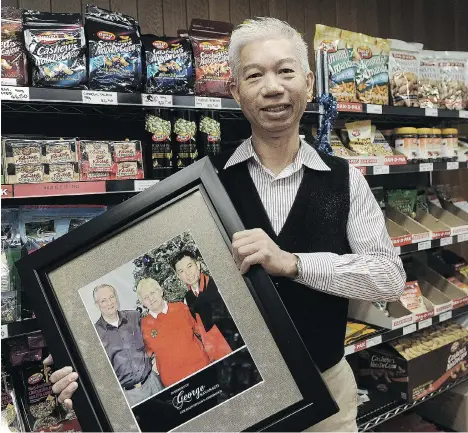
(312, 221)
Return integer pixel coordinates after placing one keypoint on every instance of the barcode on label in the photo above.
(446, 241)
(424, 245)
(445, 316)
(409, 329)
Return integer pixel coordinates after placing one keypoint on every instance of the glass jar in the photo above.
(406, 143)
(437, 144)
(425, 144)
(449, 143)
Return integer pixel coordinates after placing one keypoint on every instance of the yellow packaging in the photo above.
(360, 137)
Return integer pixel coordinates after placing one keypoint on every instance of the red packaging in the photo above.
(13, 53)
(210, 41)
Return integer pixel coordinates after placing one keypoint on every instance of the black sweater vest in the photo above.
(316, 223)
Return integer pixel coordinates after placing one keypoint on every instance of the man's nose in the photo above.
(271, 86)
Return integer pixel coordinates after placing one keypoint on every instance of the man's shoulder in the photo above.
(334, 162)
(221, 159)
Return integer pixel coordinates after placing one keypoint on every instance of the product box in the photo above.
(42, 173)
(412, 367)
(457, 225)
(440, 301)
(437, 227)
(418, 232)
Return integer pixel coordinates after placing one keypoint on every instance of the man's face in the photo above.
(107, 301)
(188, 270)
(272, 86)
(152, 296)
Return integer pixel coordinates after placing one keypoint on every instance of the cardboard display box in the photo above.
(414, 366)
(457, 225)
(455, 210)
(398, 234)
(439, 300)
(418, 232)
(438, 228)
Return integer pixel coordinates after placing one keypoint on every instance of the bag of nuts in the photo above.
(452, 80)
(428, 83)
(403, 71)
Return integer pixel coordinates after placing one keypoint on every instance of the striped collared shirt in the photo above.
(373, 271)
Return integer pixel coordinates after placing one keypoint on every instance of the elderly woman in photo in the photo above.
(169, 332)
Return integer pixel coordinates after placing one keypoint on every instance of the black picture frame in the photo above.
(317, 403)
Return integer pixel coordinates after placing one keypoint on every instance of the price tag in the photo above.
(424, 245)
(446, 241)
(4, 331)
(95, 97)
(15, 93)
(397, 250)
(381, 169)
(445, 316)
(210, 103)
(463, 237)
(463, 114)
(374, 341)
(157, 100)
(141, 185)
(425, 323)
(374, 109)
(432, 112)
(348, 350)
(427, 166)
(409, 329)
(453, 165)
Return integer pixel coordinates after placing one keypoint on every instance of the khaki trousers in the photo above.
(342, 385)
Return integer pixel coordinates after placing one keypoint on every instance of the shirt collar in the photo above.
(307, 156)
(122, 319)
(164, 310)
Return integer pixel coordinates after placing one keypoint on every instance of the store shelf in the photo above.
(22, 327)
(435, 243)
(74, 188)
(383, 335)
(412, 168)
(373, 413)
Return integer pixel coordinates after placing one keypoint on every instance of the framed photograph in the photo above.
(146, 303)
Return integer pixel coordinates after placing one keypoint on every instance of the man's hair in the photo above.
(101, 286)
(145, 282)
(264, 28)
(179, 256)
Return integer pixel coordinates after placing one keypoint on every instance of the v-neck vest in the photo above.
(316, 223)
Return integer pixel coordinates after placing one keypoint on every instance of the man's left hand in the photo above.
(251, 247)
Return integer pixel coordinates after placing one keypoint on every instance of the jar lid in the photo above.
(436, 131)
(424, 130)
(450, 131)
(405, 130)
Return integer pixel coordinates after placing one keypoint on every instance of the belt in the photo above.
(138, 385)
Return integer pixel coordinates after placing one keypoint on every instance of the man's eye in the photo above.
(256, 75)
(286, 71)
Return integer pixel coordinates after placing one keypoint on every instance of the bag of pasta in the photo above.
(371, 55)
(341, 67)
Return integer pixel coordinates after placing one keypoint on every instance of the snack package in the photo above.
(412, 298)
(429, 77)
(22, 151)
(404, 200)
(169, 68)
(128, 150)
(56, 46)
(185, 138)
(341, 65)
(210, 132)
(210, 41)
(59, 151)
(160, 127)
(452, 80)
(114, 51)
(403, 71)
(13, 53)
(10, 412)
(355, 331)
(337, 146)
(27, 173)
(379, 143)
(371, 55)
(359, 134)
(64, 172)
(95, 156)
(460, 284)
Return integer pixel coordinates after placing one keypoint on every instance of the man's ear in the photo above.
(234, 88)
(310, 78)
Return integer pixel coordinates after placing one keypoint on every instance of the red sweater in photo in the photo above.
(171, 337)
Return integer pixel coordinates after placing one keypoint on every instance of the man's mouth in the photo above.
(276, 108)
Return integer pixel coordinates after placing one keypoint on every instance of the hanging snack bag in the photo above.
(371, 55)
(403, 70)
(56, 47)
(210, 41)
(452, 80)
(13, 53)
(114, 51)
(169, 68)
(341, 66)
(428, 84)
(360, 137)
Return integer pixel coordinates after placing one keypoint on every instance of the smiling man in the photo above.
(312, 221)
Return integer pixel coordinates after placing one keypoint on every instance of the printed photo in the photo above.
(161, 319)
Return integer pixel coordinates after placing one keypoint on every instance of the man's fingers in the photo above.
(244, 233)
(250, 260)
(48, 361)
(63, 383)
(59, 374)
(68, 392)
(249, 249)
(68, 403)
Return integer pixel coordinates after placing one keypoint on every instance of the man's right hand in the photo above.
(64, 383)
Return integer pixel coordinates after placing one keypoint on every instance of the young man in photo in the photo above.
(202, 297)
(311, 219)
(169, 333)
(120, 333)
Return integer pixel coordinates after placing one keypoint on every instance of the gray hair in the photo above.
(147, 282)
(101, 286)
(264, 28)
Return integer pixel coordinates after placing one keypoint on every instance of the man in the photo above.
(202, 297)
(122, 338)
(169, 333)
(313, 223)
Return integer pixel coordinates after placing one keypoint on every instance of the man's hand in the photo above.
(251, 247)
(64, 383)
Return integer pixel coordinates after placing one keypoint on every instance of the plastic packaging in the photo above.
(406, 142)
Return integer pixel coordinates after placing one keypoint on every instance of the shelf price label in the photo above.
(374, 109)
(209, 103)
(425, 323)
(452, 165)
(445, 316)
(424, 245)
(446, 241)
(409, 329)
(157, 100)
(96, 97)
(141, 185)
(463, 237)
(381, 169)
(463, 114)
(431, 112)
(348, 350)
(397, 250)
(15, 93)
(426, 166)
(374, 341)
(4, 331)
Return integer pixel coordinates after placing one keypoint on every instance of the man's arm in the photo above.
(373, 271)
